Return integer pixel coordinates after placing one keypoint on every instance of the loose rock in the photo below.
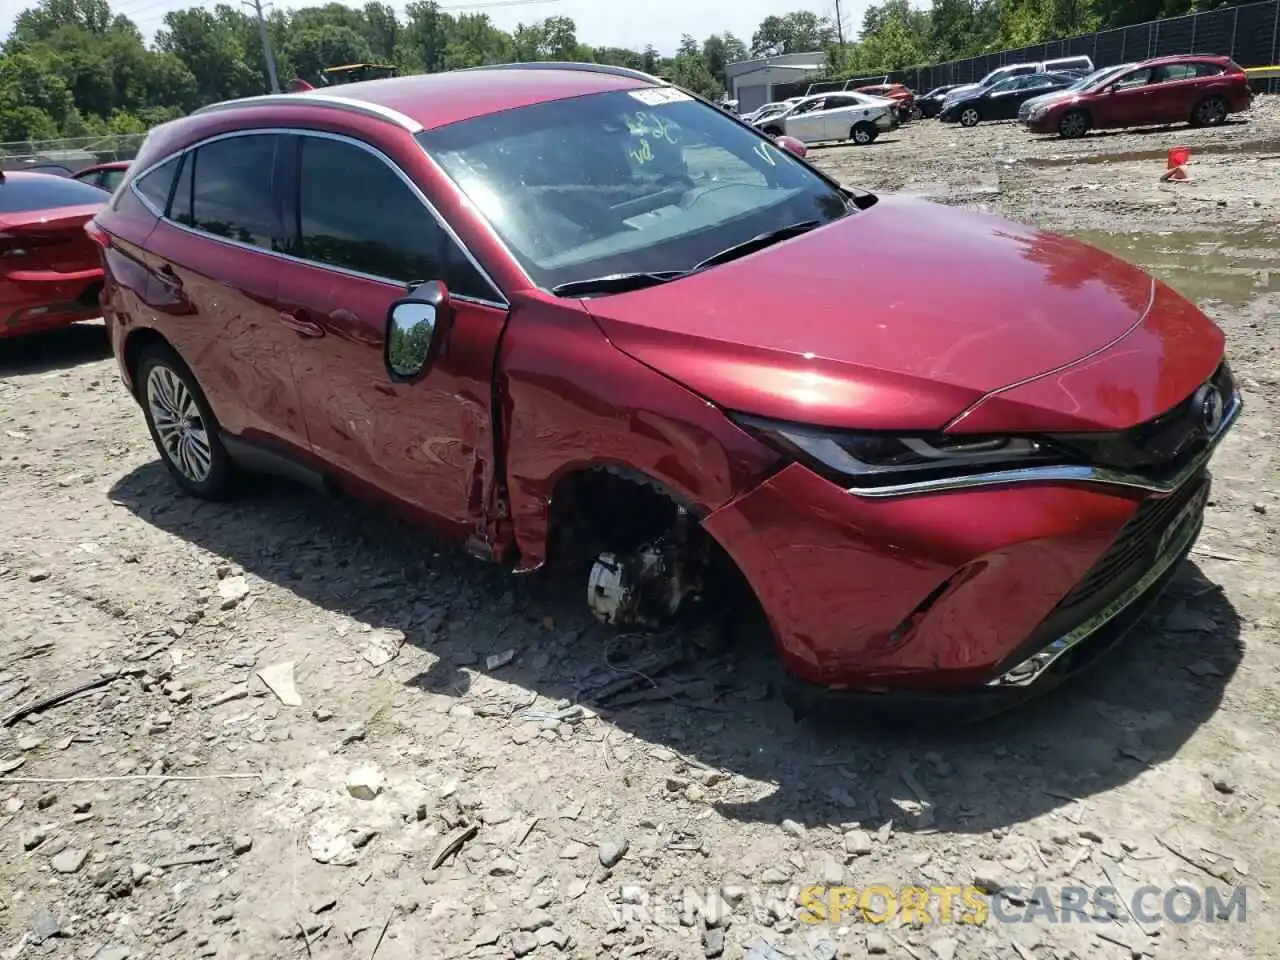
(613, 850)
(69, 860)
(365, 783)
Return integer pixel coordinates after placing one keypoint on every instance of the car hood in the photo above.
(901, 317)
(1050, 97)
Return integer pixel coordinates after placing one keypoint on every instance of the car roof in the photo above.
(427, 101)
(1183, 58)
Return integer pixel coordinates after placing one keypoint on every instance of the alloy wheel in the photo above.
(969, 118)
(1074, 125)
(184, 437)
(861, 136)
(1210, 112)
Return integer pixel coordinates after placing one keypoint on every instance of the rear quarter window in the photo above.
(46, 192)
(155, 184)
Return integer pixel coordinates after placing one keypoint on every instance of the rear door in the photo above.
(1028, 87)
(214, 260)
(839, 114)
(363, 234)
(1178, 87)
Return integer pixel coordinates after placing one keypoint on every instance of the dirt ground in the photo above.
(185, 810)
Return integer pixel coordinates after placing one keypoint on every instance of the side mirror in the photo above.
(792, 145)
(417, 328)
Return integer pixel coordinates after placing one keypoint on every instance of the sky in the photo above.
(612, 23)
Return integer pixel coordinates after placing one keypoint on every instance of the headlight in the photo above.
(1038, 112)
(873, 459)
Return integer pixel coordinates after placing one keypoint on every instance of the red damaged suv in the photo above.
(541, 304)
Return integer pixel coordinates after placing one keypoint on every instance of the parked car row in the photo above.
(1066, 97)
(1202, 90)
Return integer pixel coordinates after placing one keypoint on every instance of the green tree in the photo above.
(799, 32)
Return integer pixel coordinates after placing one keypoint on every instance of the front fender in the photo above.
(572, 401)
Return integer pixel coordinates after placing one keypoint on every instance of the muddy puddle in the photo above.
(1232, 266)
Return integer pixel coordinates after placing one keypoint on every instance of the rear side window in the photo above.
(110, 179)
(1176, 71)
(1208, 69)
(356, 212)
(45, 192)
(231, 192)
(156, 184)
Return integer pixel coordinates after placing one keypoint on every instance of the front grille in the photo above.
(1136, 547)
(1163, 442)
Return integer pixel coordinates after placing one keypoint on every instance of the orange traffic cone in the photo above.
(1178, 157)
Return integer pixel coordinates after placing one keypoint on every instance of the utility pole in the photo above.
(267, 55)
(839, 24)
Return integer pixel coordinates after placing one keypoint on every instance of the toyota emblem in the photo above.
(1211, 408)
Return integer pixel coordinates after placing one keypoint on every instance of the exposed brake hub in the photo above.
(647, 587)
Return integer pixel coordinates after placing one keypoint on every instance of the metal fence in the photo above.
(1249, 34)
(70, 154)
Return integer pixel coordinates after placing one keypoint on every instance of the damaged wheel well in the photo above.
(623, 513)
(611, 508)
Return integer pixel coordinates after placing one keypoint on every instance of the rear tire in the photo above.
(182, 425)
(1209, 112)
(1074, 124)
(863, 133)
(969, 117)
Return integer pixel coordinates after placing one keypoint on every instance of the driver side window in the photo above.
(1138, 78)
(375, 224)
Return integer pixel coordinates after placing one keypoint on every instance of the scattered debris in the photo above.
(279, 680)
(56, 699)
(365, 783)
(382, 646)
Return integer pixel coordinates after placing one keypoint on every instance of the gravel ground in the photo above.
(390, 791)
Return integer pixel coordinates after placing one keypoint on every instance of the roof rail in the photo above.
(613, 71)
(319, 99)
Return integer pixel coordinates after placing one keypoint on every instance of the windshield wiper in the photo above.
(758, 242)
(616, 282)
(637, 279)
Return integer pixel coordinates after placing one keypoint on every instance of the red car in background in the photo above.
(1199, 90)
(105, 175)
(905, 99)
(50, 270)
(572, 312)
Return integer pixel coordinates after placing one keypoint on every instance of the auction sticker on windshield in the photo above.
(652, 96)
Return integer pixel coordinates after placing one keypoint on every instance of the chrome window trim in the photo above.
(350, 104)
(1061, 474)
(500, 303)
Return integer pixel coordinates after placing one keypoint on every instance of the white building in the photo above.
(751, 82)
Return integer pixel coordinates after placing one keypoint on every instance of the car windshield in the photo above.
(639, 180)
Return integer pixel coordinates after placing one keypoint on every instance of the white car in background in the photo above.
(841, 115)
(770, 109)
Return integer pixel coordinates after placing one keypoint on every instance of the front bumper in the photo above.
(980, 596)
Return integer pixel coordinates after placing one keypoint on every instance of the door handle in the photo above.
(296, 320)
